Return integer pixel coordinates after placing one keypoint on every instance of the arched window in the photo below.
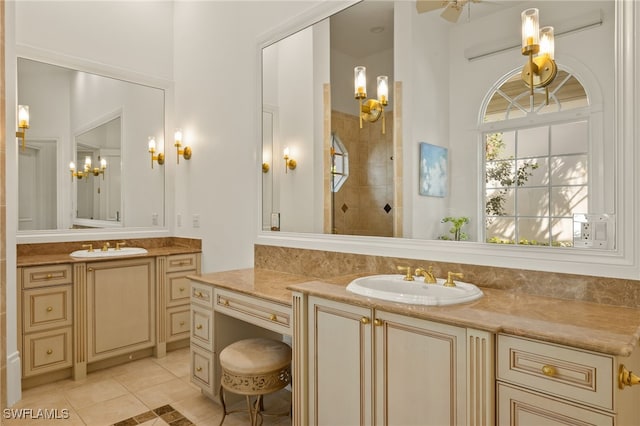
(535, 161)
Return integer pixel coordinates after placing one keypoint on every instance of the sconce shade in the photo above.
(177, 136)
(152, 144)
(530, 30)
(383, 89)
(152, 149)
(547, 44)
(289, 163)
(360, 82)
(23, 116)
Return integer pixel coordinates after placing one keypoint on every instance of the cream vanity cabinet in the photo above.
(367, 366)
(543, 383)
(46, 313)
(120, 307)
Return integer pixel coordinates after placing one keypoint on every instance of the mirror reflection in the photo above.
(517, 155)
(85, 162)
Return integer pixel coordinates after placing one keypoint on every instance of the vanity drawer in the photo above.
(202, 294)
(201, 325)
(47, 307)
(41, 276)
(178, 323)
(47, 351)
(202, 368)
(182, 262)
(178, 286)
(264, 313)
(577, 375)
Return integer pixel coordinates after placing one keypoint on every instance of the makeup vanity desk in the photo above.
(510, 354)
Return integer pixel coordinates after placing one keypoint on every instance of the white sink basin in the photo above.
(394, 288)
(112, 252)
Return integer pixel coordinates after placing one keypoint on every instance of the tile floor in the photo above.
(149, 391)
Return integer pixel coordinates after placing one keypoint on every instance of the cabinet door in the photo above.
(523, 408)
(420, 372)
(340, 366)
(120, 307)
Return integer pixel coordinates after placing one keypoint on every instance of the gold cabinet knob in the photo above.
(626, 377)
(199, 294)
(365, 320)
(549, 370)
(273, 317)
(199, 327)
(49, 276)
(199, 369)
(181, 289)
(49, 351)
(49, 308)
(378, 322)
(90, 269)
(181, 323)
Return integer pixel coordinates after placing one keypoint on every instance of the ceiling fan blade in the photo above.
(453, 11)
(429, 5)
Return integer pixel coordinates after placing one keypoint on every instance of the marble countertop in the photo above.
(598, 327)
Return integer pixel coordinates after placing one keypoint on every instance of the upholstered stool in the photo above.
(254, 367)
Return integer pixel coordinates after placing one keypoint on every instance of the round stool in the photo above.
(254, 367)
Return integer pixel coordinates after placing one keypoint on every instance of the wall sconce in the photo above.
(289, 163)
(152, 149)
(23, 123)
(372, 109)
(538, 44)
(186, 152)
(265, 167)
(88, 170)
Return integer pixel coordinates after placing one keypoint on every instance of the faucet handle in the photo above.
(449, 282)
(106, 246)
(120, 244)
(89, 246)
(408, 276)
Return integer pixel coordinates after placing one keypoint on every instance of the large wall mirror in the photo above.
(85, 163)
(475, 156)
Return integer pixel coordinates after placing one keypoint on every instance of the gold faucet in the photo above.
(105, 246)
(429, 278)
(120, 244)
(408, 276)
(90, 247)
(449, 282)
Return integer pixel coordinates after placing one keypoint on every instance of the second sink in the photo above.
(395, 289)
(112, 252)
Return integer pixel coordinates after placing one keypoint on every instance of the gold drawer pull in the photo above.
(199, 294)
(549, 370)
(181, 323)
(49, 276)
(49, 351)
(49, 308)
(199, 369)
(90, 269)
(199, 326)
(181, 289)
(365, 320)
(626, 377)
(378, 322)
(273, 317)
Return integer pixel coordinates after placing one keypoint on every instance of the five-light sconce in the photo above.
(23, 123)
(88, 170)
(372, 109)
(538, 45)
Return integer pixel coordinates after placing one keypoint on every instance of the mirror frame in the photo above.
(622, 262)
(61, 235)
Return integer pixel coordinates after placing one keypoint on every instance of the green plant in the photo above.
(456, 228)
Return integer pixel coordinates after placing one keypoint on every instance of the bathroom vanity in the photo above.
(506, 358)
(81, 314)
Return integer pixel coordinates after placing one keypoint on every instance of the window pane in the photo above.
(499, 202)
(500, 146)
(533, 142)
(569, 170)
(500, 174)
(501, 230)
(562, 233)
(533, 172)
(534, 231)
(569, 138)
(567, 200)
(533, 202)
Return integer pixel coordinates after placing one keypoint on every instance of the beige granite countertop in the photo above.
(57, 253)
(602, 328)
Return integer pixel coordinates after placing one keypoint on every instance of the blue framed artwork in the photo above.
(433, 170)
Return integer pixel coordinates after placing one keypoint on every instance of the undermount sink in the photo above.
(394, 288)
(112, 252)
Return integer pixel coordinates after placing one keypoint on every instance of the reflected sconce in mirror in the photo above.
(538, 45)
(372, 109)
(88, 170)
(289, 163)
(23, 123)
(186, 152)
(152, 150)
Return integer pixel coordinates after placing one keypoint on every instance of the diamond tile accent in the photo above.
(344, 208)
(387, 208)
(166, 413)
